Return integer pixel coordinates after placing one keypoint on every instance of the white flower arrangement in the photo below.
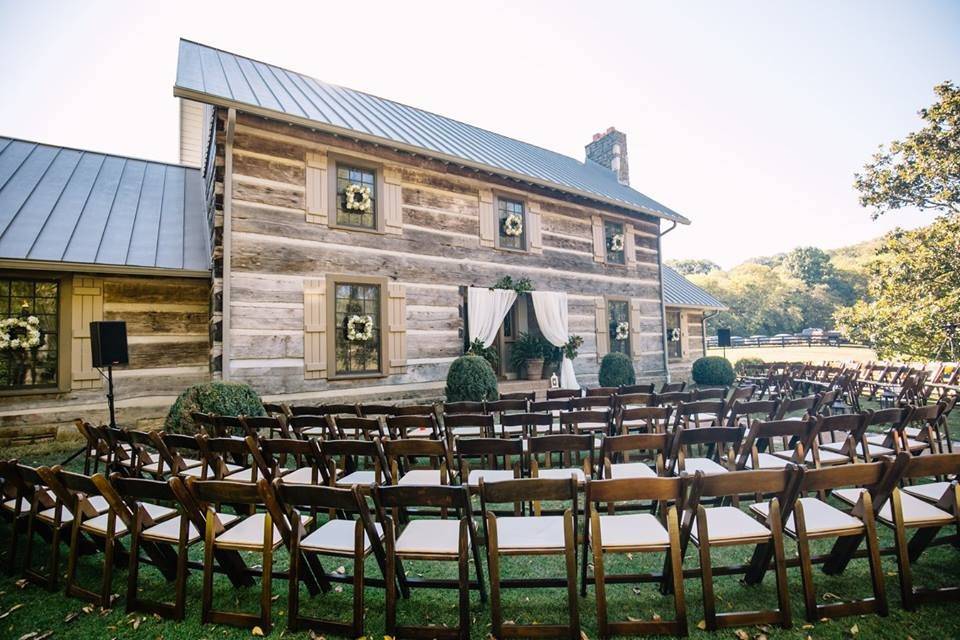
(623, 331)
(359, 328)
(20, 334)
(357, 197)
(675, 334)
(616, 242)
(513, 225)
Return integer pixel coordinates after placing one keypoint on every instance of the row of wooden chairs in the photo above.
(164, 519)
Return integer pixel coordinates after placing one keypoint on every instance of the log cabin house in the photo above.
(296, 206)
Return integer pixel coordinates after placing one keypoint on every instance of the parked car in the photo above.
(812, 332)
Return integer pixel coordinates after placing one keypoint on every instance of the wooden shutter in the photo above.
(392, 200)
(86, 307)
(635, 312)
(318, 200)
(534, 235)
(396, 327)
(314, 328)
(599, 251)
(629, 245)
(488, 220)
(603, 328)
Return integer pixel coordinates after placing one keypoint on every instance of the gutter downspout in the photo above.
(703, 329)
(227, 232)
(663, 306)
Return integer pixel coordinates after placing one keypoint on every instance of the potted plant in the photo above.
(528, 353)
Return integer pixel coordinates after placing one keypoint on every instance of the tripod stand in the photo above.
(949, 345)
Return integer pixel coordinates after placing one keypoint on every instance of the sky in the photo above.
(750, 118)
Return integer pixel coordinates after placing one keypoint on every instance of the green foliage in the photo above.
(490, 354)
(809, 264)
(616, 369)
(572, 348)
(693, 266)
(713, 370)
(471, 378)
(528, 347)
(741, 366)
(914, 292)
(219, 398)
(923, 169)
(523, 285)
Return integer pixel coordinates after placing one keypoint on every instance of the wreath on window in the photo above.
(616, 242)
(357, 197)
(675, 334)
(20, 334)
(513, 225)
(359, 328)
(623, 331)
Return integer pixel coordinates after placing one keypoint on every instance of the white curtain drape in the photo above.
(551, 310)
(486, 309)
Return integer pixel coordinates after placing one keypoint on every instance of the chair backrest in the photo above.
(672, 387)
(374, 410)
(276, 409)
(591, 402)
(629, 389)
(415, 410)
(324, 410)
(73, 490)
(576, 421)
(413, 426)
(710, 394)
(851, 424)
(761, 434)
(227, 426)
(551, 405)
(747, 412)
(691, 411)
(665, 491)
(794, 405)
(443, 497)
(143, 448)
(488, 454)
(218, 452)
(530, 490)
(365, 428)
(345, 455)
(300, 423)
(269, 453)
(643, 419)
(460, 420)
(602, 391)
(401, 453)
(204, 423)
(264, 426)
(567, 445)
(764, 481)
(529, 421)
(892, 418)
(529, 396)
(516, 405)
(126, 495)
(634, 400)
(619, 449)
(174, 447)
(561, 394)
(673, 398)
(284, 501)
(454, 408)
(935, 464)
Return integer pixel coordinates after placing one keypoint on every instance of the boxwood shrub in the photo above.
(713, 370)
(220, 398)
(471, 378)
(616, 369)
(742, 364)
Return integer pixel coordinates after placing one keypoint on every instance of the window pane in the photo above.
(615, 241)
(357, 326)
(674, 347)
(510, 214)
(29, 311)
(619, 314)
(356, 197)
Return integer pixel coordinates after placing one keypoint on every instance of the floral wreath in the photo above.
(513, 225)
(623, 331)
(675, 334)
(357, 197)
(359, 328)
(20, 334)
(616, 242)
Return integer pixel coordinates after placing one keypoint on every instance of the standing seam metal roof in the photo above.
(68, 205)
(679, 291)
(219, 77)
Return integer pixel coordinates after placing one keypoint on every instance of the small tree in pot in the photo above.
(528, 352)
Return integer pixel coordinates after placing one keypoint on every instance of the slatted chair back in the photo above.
(738, 394)
(589, 421)
(143, 456)
(602, 391)
(119, 454)
(716, 440)
(667, 492)
(628, 389)
(642, 420)
(127, 495)
(644, 447)
(781, 483)
(698, 413)
(503, 406)
(523, 425)
(756, 451)
(747, 412)
(825, 401)
(306, 426)
(226, 457)
(72, 490)
(467, 425)
(503, 455)
(178, 451)
(928, 419)
(415, 410)
(375, 410)
(228, 426)
(324, 410)
(93, 447)
(455, 408)
(847, 428)
(30, 484)
(204, 423)
(411, 456)
(347, 427)
(347, 460)
(551, 407)
(276, 409)
(264, 426)
(535, 490)
(672, 398)
(793, 406)
(563, 394)
(270, 454)
(634, 400)
(890, 423)
(710, 394)
(589, 403)
(672, 387)
(414, 426)
(572, 449)
(529, 396)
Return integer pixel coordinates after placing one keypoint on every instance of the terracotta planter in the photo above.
(534, 369)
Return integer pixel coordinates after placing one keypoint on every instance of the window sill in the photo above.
(511, 250)
(347, 227)
(28, 391)
(357, 376)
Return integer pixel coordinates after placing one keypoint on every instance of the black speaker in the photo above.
(108, 340)
(723, 337)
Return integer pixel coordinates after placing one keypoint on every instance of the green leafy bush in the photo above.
(490, 354)
(471, 378)
(528, 346)
(742, 364)
(713, 370)
(220, 398)
(616, 369)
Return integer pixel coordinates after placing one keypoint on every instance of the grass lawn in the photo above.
(798, 354)
(28, 609)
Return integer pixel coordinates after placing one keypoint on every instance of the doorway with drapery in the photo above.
(487, 308)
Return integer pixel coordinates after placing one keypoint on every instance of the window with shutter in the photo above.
(598, 239)
(397, 327)
(316, 187)
(392, 200)
(602, 328)
(314, 328)
(87, 307)
(618, 313)
(534, 228)
(488, 221)
(630, 245)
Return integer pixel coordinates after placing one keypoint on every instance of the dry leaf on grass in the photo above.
(741, 634)
(257, 631)
(70, 617)
(702, 625)
(10, 610)
(854, 630)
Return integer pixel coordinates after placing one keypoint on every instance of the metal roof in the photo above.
(72, 206)
(206, 74)
(680, 292)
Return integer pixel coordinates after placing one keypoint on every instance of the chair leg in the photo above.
(903, 557)
(571, 554)
(358, 558)
(706, 572)
(266, 594)
(206, 600)
(54, 563)
(293, 584)
(391, 580)
(73, 557)
(463, 563)
(493, 564)
(780, 567)
(133, 564)
(106, 584)
(599, 578)
(876, 567)
(806, 565)
(676, 571)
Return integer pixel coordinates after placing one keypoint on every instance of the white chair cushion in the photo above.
(706, 465)
(821, 518)
(248, 533)
(730, 524)
(931, 491)
(562, 473)
(532, 532)
(98, 525)
(488, 475)
(916, 512)
(631, 470)
(244, 475)
(169, 529)
(303, 475)
(363, 478)
(635, 530)
(337, 537)
(429, 477)
(767, 461)
(439, 537)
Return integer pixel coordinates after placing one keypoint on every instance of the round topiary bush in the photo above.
(616, 369)
(713, 370)
(219, 398)
(741, 366)
(471, 378)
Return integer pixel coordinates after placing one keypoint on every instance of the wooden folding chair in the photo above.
(634, 533)
(405, 469)
(460, 408)
(672, 398)
(630, 456)
(147, 460)
(443, 539)
(646, 388)
(414, 426)
(341, 409)
(723, 526)
(528, 396)
(849, 428)
(923, 427)
(699, 413)
(604, 392)
(532, 535)
(270, 454)
(18, 496)
(672, 387)
(342, 459)
(575, 452)
(757, 449)
(563, 394)
(493, 459)
(350, 428)
(633, 400)
(229, 459)
(796, 408)
(416, 410)
(641, 420)
(710, 394)
(525, 425)
(745, 412)
(594, 422)
(371, 410)
(504, 406)
(717, 441)
(305, 427)
(340, 537)
(887, 436)
(264, 426)
(179, 455)
(467, 425)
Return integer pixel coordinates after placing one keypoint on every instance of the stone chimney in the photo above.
(609, 149)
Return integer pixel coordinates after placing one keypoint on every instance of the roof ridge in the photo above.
(102, 153)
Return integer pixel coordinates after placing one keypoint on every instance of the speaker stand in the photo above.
(113, 415)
